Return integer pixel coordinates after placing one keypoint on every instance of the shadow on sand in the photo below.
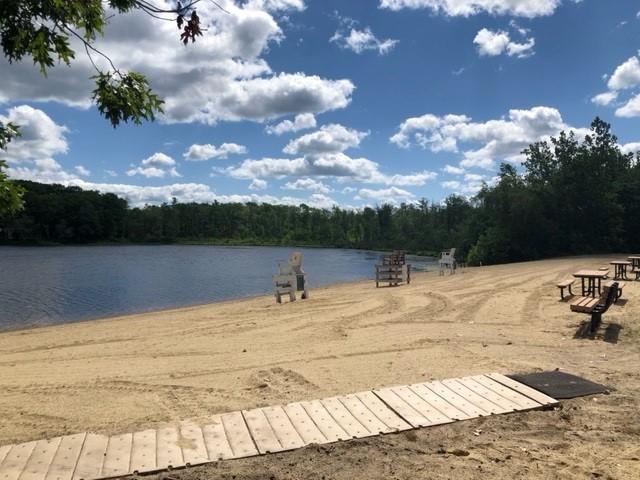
(611, 334)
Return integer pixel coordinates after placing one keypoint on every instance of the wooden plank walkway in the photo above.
(89, 456)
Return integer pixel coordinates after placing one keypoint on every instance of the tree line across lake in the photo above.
(573, 197)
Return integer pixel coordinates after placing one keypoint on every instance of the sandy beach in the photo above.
(127, 373)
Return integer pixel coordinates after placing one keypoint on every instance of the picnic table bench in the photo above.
(566, 284)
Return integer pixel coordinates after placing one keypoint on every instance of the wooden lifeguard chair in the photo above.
(290, 279)
(448, 261)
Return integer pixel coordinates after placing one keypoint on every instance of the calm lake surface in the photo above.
(51, 285)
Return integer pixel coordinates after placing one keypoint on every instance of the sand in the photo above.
(122, 374)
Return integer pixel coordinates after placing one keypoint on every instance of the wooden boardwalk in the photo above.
(88, 456)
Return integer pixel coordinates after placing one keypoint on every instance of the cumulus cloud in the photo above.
(466, 8)
(300, 122)
(207, 151)
(630, 109)
(359, 41)
(82, 171)
(391, 195)
(502, 139)
(321, 154)
(633, 147)
(157, 165)
(331, 138)
(337, 165)
(307, 184)
(221, 77)
(40, 136)
(30, 158)
(605, 98)
(493, 43)
(453, 170)
(46, 170)
(626, 76)
(258, 184)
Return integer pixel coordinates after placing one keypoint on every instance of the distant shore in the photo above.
(212, 242)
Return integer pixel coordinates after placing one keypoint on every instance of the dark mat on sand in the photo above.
(560, 385)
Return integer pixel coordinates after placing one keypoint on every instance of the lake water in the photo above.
(51, 285)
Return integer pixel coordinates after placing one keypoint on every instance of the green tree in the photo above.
(10, 193)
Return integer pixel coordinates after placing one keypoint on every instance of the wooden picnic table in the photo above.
(593, 281)
(635, 265)
(620, 268)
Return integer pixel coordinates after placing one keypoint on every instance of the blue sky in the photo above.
(332, 102)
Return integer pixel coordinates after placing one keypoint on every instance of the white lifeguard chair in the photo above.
(290, 279)
(448, 261)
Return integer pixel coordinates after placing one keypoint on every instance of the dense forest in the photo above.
(572, 197)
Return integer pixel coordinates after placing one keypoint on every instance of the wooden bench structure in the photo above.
(565, 284)
(393, 270)
(596, 306)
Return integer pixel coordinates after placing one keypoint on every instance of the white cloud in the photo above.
(453, 170)
(465, 8)
(626, 75)
(45, 170)
(359, 41)
(300, 122)
(391, 195)
(307, 184)
(492, 43)
(633, 147)
(320, 200)
(207, 151)
(157, 165)
(276, 5)
(82, 171)
(336, 165)
(331, 138)
(221, 77)
(498, 140)
(258, 184)
(40, 136)
(470, 185)
(630, 109)
(605, 98)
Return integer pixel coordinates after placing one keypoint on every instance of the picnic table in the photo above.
(635, 265)
(593, 281)
(620, 268)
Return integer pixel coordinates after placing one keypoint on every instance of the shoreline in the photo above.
(239, 243)
(190, 307)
